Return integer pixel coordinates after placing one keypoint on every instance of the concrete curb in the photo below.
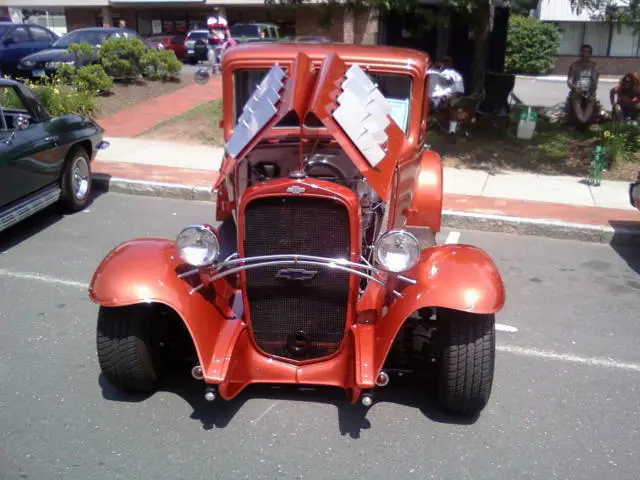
(108, 183)
(617, 235)
(450, 218)
(561, 78)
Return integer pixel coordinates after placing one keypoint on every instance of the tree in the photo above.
(620, 12)
(477, 10)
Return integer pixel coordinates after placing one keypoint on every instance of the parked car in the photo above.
(312, 39)
(197, 46)
(325, 269)
(43, 159)
(46, 62)
(634, 193)
(170, 42)
(19, 40)
(263, 32)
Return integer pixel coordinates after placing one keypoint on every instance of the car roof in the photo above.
(7, 82)
(394, 58)
(259, 24)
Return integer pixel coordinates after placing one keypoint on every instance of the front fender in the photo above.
(146, 271)
(459, 277)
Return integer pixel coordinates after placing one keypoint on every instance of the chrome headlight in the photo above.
(397, 251)
(198, 245)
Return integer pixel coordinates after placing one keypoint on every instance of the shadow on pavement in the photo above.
(352, 419)
(35, 224)
(626, 242)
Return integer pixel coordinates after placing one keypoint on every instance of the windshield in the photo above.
(92, 37)
(3, 29)
(396, 88)
(244, 31)
(197, 35)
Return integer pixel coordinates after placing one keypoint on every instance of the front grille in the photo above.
(297, 318)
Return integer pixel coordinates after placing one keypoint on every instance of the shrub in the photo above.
(531, 45)
(120, 57)
(160, 64)
(60, 99)
(93, 78)
(81, 49)
(621, 141)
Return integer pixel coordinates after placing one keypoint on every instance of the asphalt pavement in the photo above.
(545, 92)
(564, 405)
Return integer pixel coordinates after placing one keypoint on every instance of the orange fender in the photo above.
(459, 277)
(426, 202)
(146, 271)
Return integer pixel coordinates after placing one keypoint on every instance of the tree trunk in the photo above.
(482, 19)
(444, 37)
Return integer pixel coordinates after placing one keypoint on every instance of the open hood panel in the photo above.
(344, 100)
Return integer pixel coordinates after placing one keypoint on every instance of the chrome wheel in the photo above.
(80, 173)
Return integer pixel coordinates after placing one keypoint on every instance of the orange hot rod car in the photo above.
(324, 267)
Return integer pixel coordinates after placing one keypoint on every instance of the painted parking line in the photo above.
(501, 327)
(601, 362)
(453, 237)
(42, 278)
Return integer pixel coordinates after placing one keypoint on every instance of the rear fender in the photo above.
(458, 277)
(146, 271)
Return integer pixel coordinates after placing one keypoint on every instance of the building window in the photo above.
(624, 43)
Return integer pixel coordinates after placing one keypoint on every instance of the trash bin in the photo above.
(527, 124)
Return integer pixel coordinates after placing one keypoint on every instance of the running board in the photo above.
(28, 206)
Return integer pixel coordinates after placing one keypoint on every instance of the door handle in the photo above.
(52, 139)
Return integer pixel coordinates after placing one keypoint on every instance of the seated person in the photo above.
(446, 86)
(627, 105)
(582, 80)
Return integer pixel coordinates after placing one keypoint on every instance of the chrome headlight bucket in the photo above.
(397, 251)
(198, 245)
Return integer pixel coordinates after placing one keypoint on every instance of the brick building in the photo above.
(153, 17)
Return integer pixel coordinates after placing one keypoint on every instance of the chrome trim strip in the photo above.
(300, 258)
(230, 271)
(29, 206)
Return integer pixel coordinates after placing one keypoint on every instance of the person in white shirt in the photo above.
(446, 86)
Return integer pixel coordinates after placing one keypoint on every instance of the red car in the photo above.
(170, 42)
(324, 268)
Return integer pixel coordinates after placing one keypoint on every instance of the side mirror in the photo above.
(221, 123)
(202, 76)
(21, 122)
(9, 41)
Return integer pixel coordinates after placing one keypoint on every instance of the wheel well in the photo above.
(86, 145)
(167, 326)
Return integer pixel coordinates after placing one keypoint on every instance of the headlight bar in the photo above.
(222, 269)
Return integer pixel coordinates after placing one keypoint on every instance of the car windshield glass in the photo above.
(92, 37)
(396, 88)
(3, 29)
(244, 31)
(197, 35)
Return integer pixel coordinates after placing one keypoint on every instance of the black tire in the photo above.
(125, 349)
(76, 180)
(467, 361)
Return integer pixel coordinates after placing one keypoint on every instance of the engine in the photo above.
(330, 164)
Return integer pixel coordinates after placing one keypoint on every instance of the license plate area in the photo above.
(38, 72)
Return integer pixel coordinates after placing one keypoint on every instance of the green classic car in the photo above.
(43, 159)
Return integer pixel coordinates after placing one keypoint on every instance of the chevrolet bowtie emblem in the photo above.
(295, 189)
(299, 274)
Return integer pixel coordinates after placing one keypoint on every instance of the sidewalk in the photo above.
(555, 206)
(146, 115)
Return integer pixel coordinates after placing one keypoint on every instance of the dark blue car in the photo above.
(19, 40)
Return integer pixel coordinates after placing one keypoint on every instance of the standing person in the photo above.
(122, 24)
(627, 105)
(446, 86)
(582, 80)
